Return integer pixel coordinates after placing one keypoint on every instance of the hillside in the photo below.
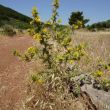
(14, 18)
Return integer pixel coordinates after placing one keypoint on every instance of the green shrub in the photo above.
(105, 84)
(8, 30)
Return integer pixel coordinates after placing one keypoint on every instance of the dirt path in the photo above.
(12, 72)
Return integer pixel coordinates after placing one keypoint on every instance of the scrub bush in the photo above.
(8, 30)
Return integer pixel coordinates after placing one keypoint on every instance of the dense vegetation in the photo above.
(11, 17)
(100, 25)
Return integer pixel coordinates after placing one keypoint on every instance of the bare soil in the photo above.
(13, 72)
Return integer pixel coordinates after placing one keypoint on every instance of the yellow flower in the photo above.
(37, 36)
(98, 73)
(34, 11)
(37, 19)
(71, 61)
(32, 50)
(45, 30)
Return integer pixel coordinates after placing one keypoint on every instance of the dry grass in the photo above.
(98, 48)
(99, 42)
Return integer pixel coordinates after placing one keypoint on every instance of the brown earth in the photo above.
(13, 72)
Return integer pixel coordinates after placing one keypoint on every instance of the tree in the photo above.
(100, 25)
(77, 20)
